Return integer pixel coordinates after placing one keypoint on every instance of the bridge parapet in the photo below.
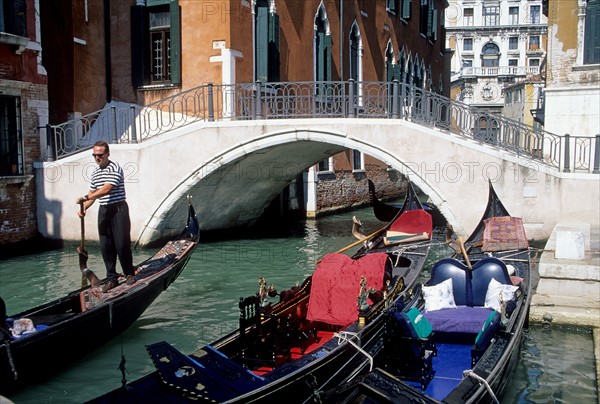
(325, 99)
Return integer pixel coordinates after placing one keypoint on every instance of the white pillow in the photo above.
(439, 296)
(492, 296)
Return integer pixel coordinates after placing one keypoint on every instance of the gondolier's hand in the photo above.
(81, 201)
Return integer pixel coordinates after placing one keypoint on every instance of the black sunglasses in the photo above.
(98, 154)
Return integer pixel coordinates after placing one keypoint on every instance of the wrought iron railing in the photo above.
(349, 99)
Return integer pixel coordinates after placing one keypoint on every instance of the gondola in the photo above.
(46, 338)
(310, 338)
(457, 353)
(386, 212)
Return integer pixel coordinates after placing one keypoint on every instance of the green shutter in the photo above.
(175, 43)
(435, 25)
(591, 45)
(396, 72)
(429, 20)
(327, 57)
(273, 61)
(406, 9)
(262, 44)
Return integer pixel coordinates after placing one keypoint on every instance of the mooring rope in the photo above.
(344, 336)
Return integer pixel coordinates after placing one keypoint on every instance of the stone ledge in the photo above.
(565, 315)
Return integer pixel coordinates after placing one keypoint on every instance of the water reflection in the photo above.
(556, 365)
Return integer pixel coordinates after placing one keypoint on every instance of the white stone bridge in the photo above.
(234, 168)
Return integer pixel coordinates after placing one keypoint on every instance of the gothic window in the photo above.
(155, 32)
(11, 136)
(405, 9)
(266, 43)
(322, 50)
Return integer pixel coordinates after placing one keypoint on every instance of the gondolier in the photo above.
(114, 225)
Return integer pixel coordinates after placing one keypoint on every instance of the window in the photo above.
(357, 160)
(591, 42)
(534, 62)
(513, 15)
(467, 62)
(13, 14)
(325, 165)
(468, 44)
(534, 14)
(266, 43)
(468, 18)
(534, 42)
(11, 136)
(405, 11)
(322, 51)
(425, 17)
(490, 55)
(491, 15)
(392, 70)
(513, 42)
(392, 6)
(156, 56)
(356, 60)
(513, 62)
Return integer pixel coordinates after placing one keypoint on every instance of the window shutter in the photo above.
(391, 5)
(262, 44)
(429, 21)
(138, 44)
(273, 61)
(591, 45)
(396, 72)
(406, 4)
(327, 57)
(175, 43)
(434, 25)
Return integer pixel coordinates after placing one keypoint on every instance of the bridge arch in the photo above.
(213, 184)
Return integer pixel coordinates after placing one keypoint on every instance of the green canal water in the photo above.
(556, 365)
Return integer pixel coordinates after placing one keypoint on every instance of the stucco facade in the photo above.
(572, 94)
(496, 44)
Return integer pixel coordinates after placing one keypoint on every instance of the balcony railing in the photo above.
(363, 100)
(497, 71)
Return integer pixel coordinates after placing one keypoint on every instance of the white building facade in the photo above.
(495, 44)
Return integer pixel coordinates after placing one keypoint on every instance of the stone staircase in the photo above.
(568, 291)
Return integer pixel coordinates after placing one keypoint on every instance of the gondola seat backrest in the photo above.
(450, 268)
(482, 274)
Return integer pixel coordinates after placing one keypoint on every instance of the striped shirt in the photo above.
(111, 174)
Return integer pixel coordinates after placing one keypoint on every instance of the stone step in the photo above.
(566, 310)
(568, 287)
(589, 269)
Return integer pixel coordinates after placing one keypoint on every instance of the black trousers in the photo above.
(114, 228)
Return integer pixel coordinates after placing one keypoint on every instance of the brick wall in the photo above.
(346, 189)
(18, 193)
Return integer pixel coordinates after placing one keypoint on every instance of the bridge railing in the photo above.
(297, 100)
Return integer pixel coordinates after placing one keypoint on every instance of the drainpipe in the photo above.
(253, 41)
(341, 40)
(107, 52)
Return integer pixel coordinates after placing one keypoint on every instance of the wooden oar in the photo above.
(464, 252)
(357, 242)
(86, 274)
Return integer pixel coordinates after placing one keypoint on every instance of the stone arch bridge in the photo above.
(233, 168)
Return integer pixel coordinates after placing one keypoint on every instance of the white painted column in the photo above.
(227, 59)
(310, 190)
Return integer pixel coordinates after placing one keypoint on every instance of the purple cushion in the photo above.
(463, 319)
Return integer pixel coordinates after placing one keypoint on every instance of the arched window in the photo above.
(392, 70)
(490, 55)
(266, 41)
(356, 51)
(322, 48)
